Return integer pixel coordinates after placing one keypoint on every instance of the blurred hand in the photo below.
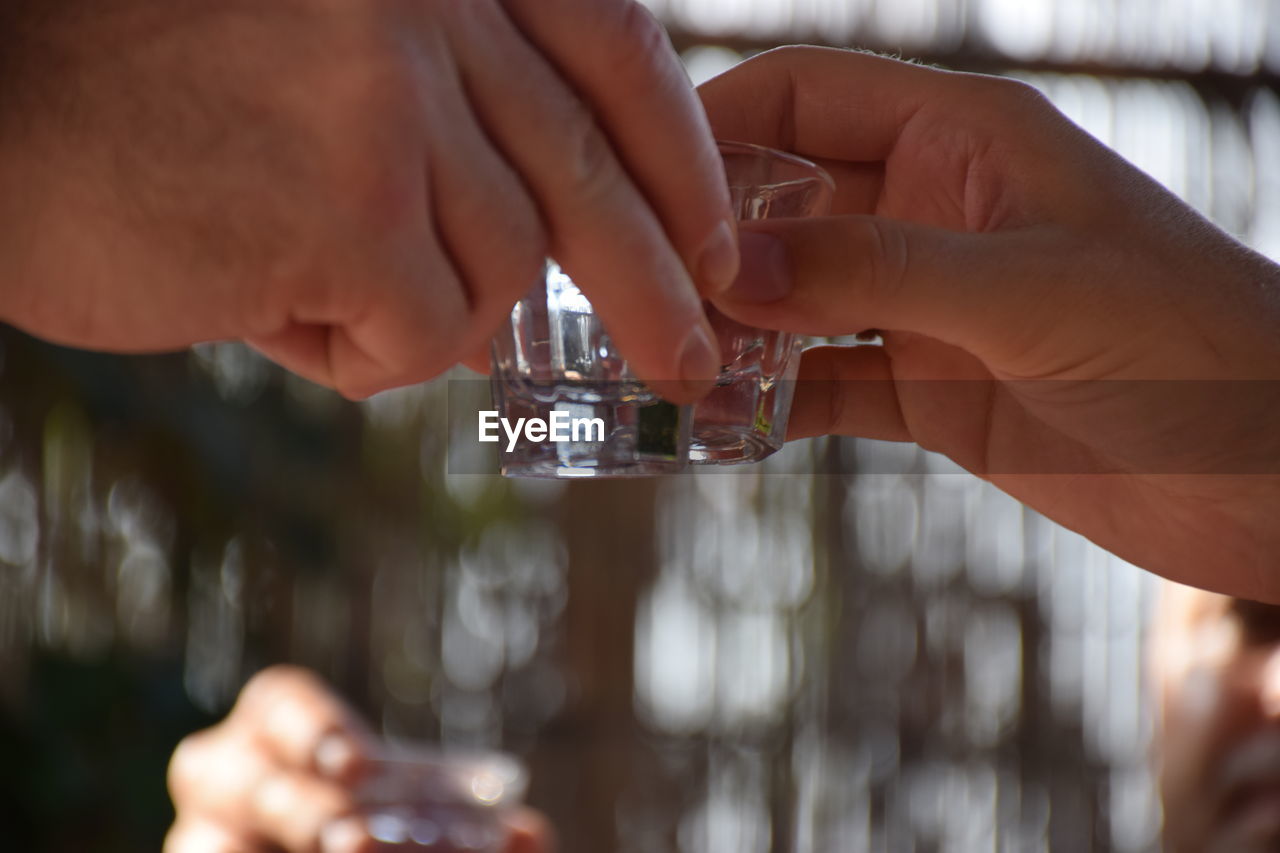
(359, 189)
(279, 774)
(992, 240)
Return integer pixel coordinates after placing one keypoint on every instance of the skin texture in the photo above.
(1215, 664)
(280, 773)
(359, 189)
(993, 241)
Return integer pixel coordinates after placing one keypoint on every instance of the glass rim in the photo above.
(483, 776)
(816, 172)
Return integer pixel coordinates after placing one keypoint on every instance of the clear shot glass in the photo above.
(423, 799)
(744, 417)
(554, 364)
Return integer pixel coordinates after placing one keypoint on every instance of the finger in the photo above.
(301, 812)
(992, 295)
(846, 391)
(601, 228)
(860, 116)
(302, 348)
(223, 777)
(826, 103)
(378, 303)
(301, 724)
(619, 59)
(367, 332)
(200, 835)
(413, 330)
(204, 765)
(483, 215)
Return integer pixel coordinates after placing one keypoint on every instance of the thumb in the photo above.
(839, 275)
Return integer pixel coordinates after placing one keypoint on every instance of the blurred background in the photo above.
(775, 660)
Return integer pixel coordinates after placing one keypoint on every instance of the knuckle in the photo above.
(785, 56)
(1010, 93)
(638, 35)
(784, 62)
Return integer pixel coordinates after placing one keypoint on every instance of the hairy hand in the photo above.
(359, 189)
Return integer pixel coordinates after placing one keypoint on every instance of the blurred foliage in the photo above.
(84, 756)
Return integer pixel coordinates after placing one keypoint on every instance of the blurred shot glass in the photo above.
(555, 364)
(421, 798)
(744, 417)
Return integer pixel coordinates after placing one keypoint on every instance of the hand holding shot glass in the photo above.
(293, 769)
(555, 365)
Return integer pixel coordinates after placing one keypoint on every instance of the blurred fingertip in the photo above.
(336, 756)
(346, 835)
(196, 835)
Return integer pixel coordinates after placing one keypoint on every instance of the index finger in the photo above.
(608, 133)
(825, 103)
(302, 724)
(620, 61)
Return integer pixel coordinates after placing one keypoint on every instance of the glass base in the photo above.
(552, 469)
(744, 418)
(729, 445)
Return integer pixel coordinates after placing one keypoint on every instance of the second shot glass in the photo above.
(744, 417)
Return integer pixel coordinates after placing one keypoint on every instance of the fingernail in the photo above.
(765, 274)
(718, 263)
(699, 359)
(345, 835)
(334, 756)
